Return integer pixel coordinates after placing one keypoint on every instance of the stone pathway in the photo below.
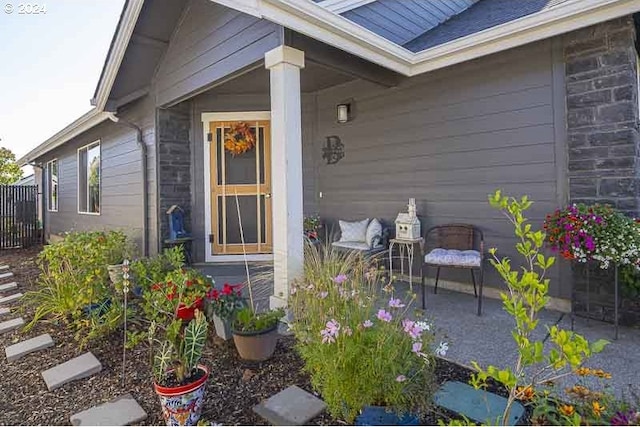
(121, 411)
(292, 406)
(16, 351)
(77, 368)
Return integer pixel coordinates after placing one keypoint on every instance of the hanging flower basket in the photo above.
(239, 139)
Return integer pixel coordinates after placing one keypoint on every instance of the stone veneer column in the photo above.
(174, 164)
(602, 130)
(602, 114)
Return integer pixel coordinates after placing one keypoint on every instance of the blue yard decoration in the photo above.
(381, 416)
(477, 405)
(176, 223)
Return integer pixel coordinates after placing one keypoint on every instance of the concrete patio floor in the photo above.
(487, 339)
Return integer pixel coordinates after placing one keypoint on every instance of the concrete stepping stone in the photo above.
(292, 406)
(8, 286)
(121, 411)
(4, 310)
(477, 405)
(4, 267)
(6, 275)
(10, 298)
(16, 351)
(10, 325)
(77, 368)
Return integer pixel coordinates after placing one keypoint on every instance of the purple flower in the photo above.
(367, 323)
(395, 303)
(333, 326)
(385, 316)
(327, 338)
(340, 278)
(412, 328)
(401, 378)
(330, 333)
(417, 346)
(628, 418)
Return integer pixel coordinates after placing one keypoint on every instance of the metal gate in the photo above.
(19, 226)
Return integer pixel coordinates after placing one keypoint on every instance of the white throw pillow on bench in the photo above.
(353, 231)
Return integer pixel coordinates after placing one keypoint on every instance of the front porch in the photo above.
(484, 339)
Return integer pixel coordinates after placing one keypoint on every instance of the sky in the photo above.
(50, 63)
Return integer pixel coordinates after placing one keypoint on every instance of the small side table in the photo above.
(404, 245)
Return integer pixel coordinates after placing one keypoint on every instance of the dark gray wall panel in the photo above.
(211, 42)
(121, 181)
(448, 139)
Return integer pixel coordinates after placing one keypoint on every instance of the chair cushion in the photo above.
(453, 257)
(353, 231)
(374, 233)
(358, 246)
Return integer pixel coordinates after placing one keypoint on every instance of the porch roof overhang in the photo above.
(325, 25)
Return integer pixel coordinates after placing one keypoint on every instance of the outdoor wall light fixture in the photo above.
(344, 112)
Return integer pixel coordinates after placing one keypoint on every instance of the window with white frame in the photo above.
(89, 178)
(52, 185)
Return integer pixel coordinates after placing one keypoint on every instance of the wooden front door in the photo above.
(240, 187)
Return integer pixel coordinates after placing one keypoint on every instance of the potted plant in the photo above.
(372, 364)
(178, 378)
(117, 248)
(222, 305)
(255, 334)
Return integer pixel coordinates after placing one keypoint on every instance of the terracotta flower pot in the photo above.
(187, 313)
(256, 346)
(181, 406)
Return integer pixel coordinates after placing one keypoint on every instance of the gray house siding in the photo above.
(210, 43)
(448, 139)
(121, 178)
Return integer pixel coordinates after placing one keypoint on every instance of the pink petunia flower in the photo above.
(385, 316)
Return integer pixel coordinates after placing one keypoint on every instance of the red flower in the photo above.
(213, 294)
(171, 296)
(188, 283)
(227, 289)
(156, 287)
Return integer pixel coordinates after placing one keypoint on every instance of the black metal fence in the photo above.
(19, 226)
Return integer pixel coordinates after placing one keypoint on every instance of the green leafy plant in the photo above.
(176, 354)
(246, 320)
(152, 270)
(73, 285)
(357, 353)
(527, 295)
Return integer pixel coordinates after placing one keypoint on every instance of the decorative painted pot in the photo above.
(98, 309)
(181, 406)
(256, 346)
(382, 416)
(223, 327)
(187, 313)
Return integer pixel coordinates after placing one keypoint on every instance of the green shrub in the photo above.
(73, 286)
(357, 353)
(152, 270)
(246, 320)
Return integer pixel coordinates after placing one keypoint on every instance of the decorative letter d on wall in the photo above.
(333, 150)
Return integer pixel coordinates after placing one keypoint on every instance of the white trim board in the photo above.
(221, 117)
(342, 6)
(219, 259)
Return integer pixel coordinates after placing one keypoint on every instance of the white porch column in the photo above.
(284, 64)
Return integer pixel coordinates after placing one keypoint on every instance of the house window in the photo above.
(89, 179)
(52, 185)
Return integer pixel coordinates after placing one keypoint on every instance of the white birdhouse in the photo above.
(408, 224)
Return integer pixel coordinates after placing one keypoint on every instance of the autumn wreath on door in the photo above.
(239, 139)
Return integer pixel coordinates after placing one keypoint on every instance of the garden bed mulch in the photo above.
(233, 388)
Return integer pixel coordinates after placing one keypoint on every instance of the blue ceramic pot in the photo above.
(380, 416)
(97, 309)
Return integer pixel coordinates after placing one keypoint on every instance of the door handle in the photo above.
(267, 195)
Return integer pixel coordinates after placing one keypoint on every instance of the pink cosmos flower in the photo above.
(347, 331)
(385, 316)
(412, 328)
(417, 346)
(401, 378)
(333, 326)
(330, 333)
(340, 278)
(367, 323)
(395, 303)
(323, 294)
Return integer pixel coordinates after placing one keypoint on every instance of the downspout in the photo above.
(43, 198)
(145, 196)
